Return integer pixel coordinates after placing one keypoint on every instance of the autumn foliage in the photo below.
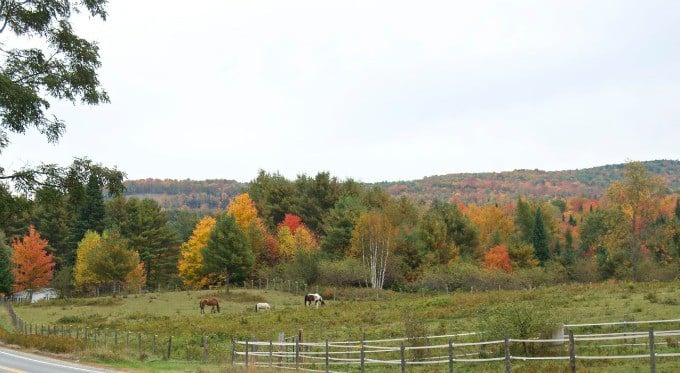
(497, 258)
(33, 264)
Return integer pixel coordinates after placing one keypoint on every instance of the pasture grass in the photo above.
(353, 313)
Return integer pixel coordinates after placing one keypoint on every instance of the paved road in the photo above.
(20, 362)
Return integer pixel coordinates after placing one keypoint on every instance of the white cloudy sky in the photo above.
(374, 90)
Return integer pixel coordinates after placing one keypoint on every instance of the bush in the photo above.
(651, 270)
(346, 272)
(584, 270)
(518, 320)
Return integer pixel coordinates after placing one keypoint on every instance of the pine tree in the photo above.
(6, 275)
(568, 255)
(524, 221)
(540, 239)
(228, 251)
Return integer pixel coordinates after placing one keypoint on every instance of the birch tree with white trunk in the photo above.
(372, 242)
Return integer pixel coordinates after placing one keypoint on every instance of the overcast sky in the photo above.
(374, 90)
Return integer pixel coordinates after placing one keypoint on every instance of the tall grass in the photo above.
(353, 313)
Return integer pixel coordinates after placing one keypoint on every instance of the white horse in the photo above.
(314, 298)
(263, 307)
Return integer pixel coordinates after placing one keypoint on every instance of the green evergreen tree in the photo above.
(677, 208)
(51, 219)
(228, 252)
(524, 220)
(93, 212)
(540, 239)
(145, 225)
(338, 226)
(6, 276)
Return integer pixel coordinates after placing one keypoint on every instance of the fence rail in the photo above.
(458, 349)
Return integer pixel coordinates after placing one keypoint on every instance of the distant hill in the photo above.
(467, 187)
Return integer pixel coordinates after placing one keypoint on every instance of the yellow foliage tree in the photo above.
(304, 240)
(191, 259)
(290, 243)
(372, 240)
(285, 242)
(638, 196)
(135, 279)
(244, 211)
(491, 220)
(83, 275)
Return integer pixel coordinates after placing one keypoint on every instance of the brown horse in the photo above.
(212, 302)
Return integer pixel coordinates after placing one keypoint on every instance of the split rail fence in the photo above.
(464, 350)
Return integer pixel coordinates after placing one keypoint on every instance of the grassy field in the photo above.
(348, 315)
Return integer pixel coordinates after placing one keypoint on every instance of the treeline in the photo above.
(483, 188)
(324, 230)
(192, 194)
(478, 188)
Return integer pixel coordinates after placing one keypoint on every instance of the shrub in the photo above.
(518, 320)
(584, 270)
(346, 272)
(651, 270)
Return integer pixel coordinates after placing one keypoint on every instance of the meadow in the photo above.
(349, 314)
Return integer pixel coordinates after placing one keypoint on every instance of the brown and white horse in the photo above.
(212, 302)
(314, 298)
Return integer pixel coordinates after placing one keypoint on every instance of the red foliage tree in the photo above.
(33, 264)
(497, 258)
(291, 221)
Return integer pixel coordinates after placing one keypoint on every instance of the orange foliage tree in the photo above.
(33, 264)
(497, 258)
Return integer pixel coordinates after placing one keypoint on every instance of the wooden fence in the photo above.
(449, 351)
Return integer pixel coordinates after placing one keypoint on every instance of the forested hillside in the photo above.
(464, 187)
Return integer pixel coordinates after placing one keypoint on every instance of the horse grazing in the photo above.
(263, 307)
(212, 302)
(314, 298)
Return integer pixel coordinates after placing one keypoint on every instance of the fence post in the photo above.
(652, 358)
(233, 350)
(127, 340)
(327, 360)
(139, 343)
(153, 344)
(450, 355)
(205, 348)
(403, 357)
(363, 353)
(271, 353)
(507, 355)
(572, 352)
(247, 353)
(297, 352)
(348, 349)
(115, 337)
(169, 346)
